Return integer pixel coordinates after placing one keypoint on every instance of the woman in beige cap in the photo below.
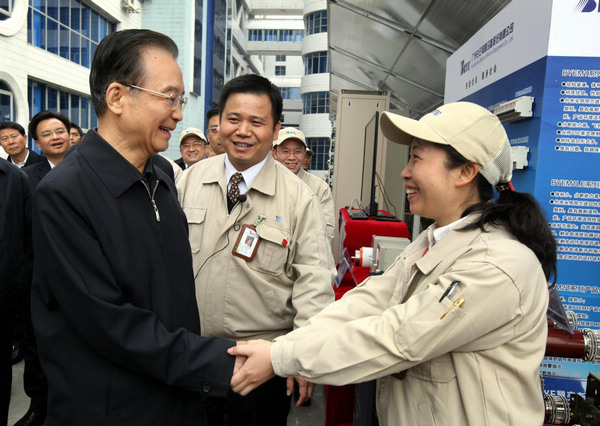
(455, 330)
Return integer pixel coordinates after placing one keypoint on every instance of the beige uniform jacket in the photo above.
(290, 278)
(479, 365)
(323, 193)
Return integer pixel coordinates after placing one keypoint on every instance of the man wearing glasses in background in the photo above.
(113, 297)
(192, 146)
(50, 130)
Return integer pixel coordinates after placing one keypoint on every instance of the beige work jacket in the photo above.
(290, 278)
(323, 193)
(478, 365)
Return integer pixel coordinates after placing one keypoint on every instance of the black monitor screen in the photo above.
(367, 194)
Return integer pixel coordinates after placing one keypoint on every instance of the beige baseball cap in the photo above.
(470, 129)
(191, 131)
(289, 133)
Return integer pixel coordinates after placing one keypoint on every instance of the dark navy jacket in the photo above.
(113, 298)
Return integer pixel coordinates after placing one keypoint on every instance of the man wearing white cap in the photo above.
(192, 146)
(455, 330)
(290, 149)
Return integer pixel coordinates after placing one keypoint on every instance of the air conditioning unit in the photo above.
(515, 110)
(129, 5)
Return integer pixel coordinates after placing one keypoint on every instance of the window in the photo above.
(280, 58)
(279, 69)
(67, 28)
(316, 63)
(197, 83)
(256, 35)
(78, 108)
(6, 8)
(270, 35)
(286, 35)
(320, 158)
(316, 103)
(291, 93)
(298, 35)
(316, 22)
(7, 103)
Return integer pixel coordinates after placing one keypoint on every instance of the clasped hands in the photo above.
(253, 368)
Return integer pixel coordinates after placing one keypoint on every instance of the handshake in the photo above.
(253, 368)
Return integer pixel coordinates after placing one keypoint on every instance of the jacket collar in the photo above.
(447, 246)
(265, 181)
(117, 174)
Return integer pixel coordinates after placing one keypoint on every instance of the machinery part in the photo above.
(557, 408)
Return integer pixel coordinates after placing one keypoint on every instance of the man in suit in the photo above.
(50, 130)
(192, 146)
(113, 299)
(15, 249)
(14, 142)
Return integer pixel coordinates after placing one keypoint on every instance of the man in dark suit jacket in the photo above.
(15, 249)
(14, 141)
(113, 296)
(50, 130)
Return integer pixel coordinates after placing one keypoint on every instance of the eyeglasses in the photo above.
(212, 130)
(57, 132)
(173, 100)
(296, 152)
(197, 145)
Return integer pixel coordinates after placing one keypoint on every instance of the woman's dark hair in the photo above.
(118, 58)
(518, 211)
(256, 85)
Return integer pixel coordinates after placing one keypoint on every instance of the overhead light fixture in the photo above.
(515, 110)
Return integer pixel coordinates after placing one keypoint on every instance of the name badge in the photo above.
(247, 243)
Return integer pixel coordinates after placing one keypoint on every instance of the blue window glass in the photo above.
(320, 147)
(38, 29)
(7, 104)
(85, 22)
(52, 99)
(6, 9)
(75, 109)
(52, 8)
(270, 35)
(75, 16)
(316, 22)
(85, 52)
(315, 63)
(85, 111)
(316, 103)
(51, 37)
(103, 27)
(75, 48)
(66, 29)
(64, 12)
(64, 102)
(64, 42)
(39, 5)
(94, 27)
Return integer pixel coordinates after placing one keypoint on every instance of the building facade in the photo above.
(47, 47)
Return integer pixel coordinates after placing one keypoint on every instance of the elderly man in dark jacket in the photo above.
(113, 298)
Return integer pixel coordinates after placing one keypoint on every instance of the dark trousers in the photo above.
(267, 405)
(6, 339)
(34, 379)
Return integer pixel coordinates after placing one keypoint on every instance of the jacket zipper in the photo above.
(151, 195)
